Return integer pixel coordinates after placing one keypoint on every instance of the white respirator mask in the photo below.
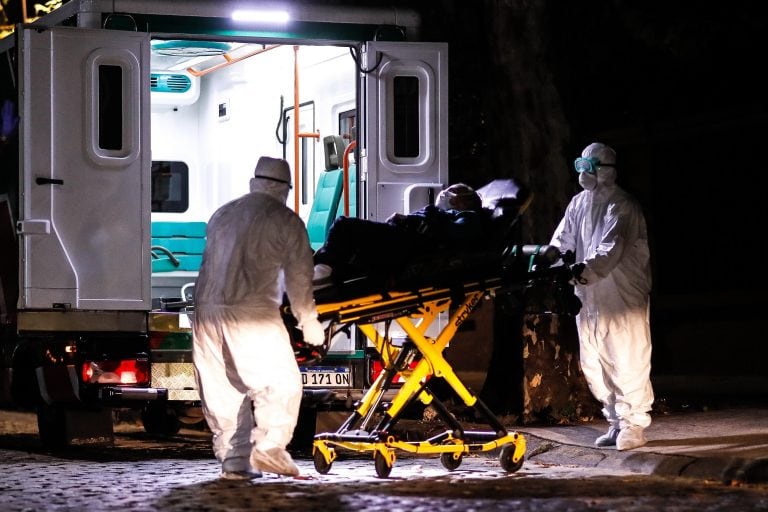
(588, 181)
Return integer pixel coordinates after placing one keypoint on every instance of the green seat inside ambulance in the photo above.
(328, 194)
(177, 242)
(324, 207)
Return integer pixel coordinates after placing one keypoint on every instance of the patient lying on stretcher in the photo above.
(379, 251)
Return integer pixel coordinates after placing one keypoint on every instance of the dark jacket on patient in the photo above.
(380, 250)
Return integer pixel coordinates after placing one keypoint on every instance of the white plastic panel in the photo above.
(91, 198)
(406, 125)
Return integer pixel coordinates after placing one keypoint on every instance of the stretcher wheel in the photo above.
(321, 465)
(505, 459)
(383, 468)
(451, 461)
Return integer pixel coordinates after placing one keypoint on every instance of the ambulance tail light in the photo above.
(376, 367)
(122, 372)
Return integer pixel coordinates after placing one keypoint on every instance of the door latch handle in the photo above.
(48, 181)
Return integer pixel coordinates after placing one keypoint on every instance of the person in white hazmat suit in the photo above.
(248, 378)
(605, 228)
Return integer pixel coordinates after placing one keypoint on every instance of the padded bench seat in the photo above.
(185, 241)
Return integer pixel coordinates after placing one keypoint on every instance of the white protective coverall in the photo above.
(256, 249)
(606, 230)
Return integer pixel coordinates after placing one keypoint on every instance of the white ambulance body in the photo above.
(138, 119)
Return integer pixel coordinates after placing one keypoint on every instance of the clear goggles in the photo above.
(588, 165)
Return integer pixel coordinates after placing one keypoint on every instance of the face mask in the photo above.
(587, 181)
(443, 202)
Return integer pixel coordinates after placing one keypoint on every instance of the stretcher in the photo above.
(419, 361)
(416, 300)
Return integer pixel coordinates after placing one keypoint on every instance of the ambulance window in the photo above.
(347, 125)
(406, 116)
(110, 107)
(170, 187)
(113, 107)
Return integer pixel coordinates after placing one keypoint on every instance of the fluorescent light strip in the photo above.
(264, 16)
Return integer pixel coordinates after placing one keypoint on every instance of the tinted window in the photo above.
(110, 107)
(170, 187)
(406, 116)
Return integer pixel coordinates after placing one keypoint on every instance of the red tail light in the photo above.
(126, 371)
(376, 367)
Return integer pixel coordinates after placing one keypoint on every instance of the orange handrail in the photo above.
(296, 129)
(297, 135)
(345, 185)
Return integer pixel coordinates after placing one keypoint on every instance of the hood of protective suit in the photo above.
(272, 188)
(605, 154)
(273, 169)
(605, 176)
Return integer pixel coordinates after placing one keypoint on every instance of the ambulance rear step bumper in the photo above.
(115, 393)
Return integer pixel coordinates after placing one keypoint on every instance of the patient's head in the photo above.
(459, 197)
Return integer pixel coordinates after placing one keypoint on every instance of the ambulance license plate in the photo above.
(325, 376)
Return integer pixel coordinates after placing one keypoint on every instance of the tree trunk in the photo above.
(507, 121)
(554, 388)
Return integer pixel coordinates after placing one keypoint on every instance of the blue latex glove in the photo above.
(8, 120)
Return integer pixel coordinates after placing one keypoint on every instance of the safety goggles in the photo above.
(588, 165)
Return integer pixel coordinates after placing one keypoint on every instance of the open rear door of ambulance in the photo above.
(405, 137)
(84, 217)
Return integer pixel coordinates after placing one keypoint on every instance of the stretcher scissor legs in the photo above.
(370, 427)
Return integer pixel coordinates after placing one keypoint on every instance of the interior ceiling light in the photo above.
(261, 16)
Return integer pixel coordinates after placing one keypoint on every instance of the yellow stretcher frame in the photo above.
(414, 311)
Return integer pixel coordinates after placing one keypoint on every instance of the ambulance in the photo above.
(127, 123)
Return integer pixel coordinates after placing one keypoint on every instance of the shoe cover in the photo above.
(630, 437)
(609, 438)
(274, 460)
(236, 468)
(240, 475)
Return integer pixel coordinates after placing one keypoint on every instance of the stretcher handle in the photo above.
(543, 255)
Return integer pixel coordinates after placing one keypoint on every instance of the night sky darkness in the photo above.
(679, 90)
(680, 93)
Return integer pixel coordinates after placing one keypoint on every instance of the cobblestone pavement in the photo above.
(180, 474)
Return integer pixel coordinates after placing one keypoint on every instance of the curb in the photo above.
(727, 470)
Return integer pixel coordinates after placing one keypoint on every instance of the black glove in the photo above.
(576, 271)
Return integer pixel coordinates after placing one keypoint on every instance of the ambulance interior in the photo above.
(216, 108)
